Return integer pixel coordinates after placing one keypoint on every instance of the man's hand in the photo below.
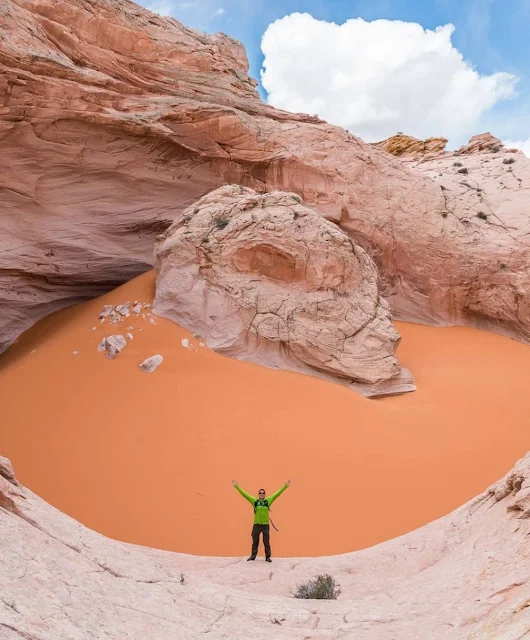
(288, 482)
(234, 482)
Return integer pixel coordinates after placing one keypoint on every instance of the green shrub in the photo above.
(323, 587)
(221, 223)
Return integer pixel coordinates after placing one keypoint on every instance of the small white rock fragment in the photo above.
(76, 353)
(129, 336)
(137, 308)
(201, 344)
(151, 363)
(151, 320)
(130, 328)
(112, 345)
(123, 309)
(94, 328)
(106, 311)
(185, 343)
(34, 350)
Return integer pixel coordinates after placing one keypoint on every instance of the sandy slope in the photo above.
(148, 458)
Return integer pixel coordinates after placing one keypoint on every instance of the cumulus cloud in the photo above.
(220, 12)
(522, 145)
(377, 78)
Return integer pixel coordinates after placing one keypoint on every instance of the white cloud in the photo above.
(522, 145)
(377, 78)
(220, 12)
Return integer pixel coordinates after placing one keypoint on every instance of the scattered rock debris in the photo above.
(112, 345)
(129, 336)
(106, 311)
(185, 343)
(124, 309)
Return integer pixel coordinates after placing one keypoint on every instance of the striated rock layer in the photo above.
(403, 145)
(464, 577)
(263, 278)
(115, 120)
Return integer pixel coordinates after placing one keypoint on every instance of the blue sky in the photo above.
(492, 35)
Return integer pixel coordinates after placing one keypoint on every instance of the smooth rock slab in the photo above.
(463, 577)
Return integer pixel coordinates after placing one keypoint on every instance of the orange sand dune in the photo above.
(149, 458)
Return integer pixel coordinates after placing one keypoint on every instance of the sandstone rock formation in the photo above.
(484, 142)
(264, 278)
(463, 577)
(115, 120)
(403, 145)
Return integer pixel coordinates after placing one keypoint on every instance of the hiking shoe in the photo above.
(251, 558)
(268, 560)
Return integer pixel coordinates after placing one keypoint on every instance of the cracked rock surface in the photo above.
(463, 577)
(115, 120)
(264, 278)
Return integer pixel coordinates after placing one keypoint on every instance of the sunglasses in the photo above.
(262, 493)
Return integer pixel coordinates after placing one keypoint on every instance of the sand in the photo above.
(149, 458)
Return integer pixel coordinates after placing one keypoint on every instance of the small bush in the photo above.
(323, 587)
(495, 149)
(502, 265)
(508, 161)
(444, 214)
(463, 170)
(221, 223)
(457, 164)
(482, 215)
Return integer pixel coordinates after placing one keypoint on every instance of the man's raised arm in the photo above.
(245, 495)
(279, 492)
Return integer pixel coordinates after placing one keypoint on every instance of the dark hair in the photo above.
(261, 491)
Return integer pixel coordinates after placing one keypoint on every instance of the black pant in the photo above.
(256, 530)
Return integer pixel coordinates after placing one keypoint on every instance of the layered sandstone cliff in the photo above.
(116, 120)
(464, 577)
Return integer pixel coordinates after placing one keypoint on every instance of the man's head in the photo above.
(262, 494)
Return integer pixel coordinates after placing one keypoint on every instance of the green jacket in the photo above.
(261, 515)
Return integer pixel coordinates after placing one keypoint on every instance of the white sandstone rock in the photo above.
(112, 345)
(151, 363)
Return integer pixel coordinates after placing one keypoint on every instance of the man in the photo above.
(261, 505)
